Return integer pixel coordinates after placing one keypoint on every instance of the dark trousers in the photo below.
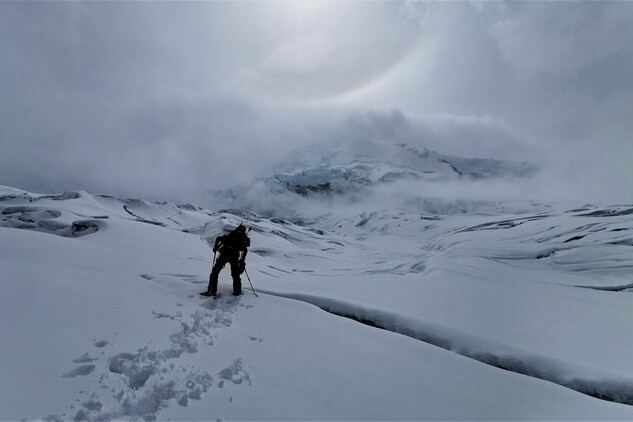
(222, 260)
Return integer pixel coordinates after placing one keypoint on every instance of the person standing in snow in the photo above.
(232, 248)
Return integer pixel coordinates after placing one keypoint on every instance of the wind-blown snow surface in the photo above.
(101, 317)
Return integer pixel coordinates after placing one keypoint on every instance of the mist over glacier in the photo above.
(344, 178)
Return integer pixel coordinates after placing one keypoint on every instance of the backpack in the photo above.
(236, 240)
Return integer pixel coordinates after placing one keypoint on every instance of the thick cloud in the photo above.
(166, 99)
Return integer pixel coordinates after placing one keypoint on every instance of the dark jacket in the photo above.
(233, 244)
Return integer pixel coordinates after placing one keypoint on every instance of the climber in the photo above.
(232, 248)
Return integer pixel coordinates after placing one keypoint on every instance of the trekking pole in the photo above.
(249, 281)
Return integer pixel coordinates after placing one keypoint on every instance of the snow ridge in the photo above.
(558, 372)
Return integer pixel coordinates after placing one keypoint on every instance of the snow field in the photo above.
(317, 366)
(109, 325)
(490, 292)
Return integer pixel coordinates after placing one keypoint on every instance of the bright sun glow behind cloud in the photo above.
(304, 9)
(330, 52)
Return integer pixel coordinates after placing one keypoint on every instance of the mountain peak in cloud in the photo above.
(330, 175)
(344, 169)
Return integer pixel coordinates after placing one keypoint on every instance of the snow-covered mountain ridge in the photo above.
(101, 302)
(362, 172)
(344, 170)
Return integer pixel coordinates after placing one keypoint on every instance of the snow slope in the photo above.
(102, 319)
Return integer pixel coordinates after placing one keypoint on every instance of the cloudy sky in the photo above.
(164, 99)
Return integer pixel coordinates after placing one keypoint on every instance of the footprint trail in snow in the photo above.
(138, 384)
